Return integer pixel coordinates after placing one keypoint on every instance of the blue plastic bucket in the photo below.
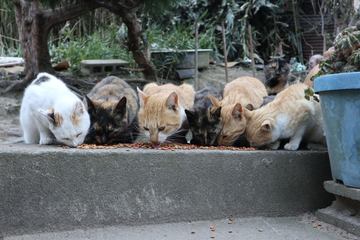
(340, 104)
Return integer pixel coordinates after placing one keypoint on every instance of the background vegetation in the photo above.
(101, 34)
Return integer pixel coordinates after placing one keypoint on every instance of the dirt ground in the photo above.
(10, 131)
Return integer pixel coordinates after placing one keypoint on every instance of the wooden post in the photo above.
(225, 51)
(196, 54)
(251, 44)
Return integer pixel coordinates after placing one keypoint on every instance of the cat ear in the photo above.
(216, 113)
(266, 126)
(172, 101)
(89, 105)
(121, 106)
(189, 115)
(214, 101)
(48, 115)
(250, 107)
(79, 109)
(142, 97)
(237, 111)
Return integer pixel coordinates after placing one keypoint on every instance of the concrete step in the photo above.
(258, 228)
(344, 212)
(50, 187)
(103, 66)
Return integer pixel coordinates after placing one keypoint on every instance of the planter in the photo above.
(183, 59)
(340, 104)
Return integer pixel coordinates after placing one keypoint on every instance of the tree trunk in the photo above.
(34, 24)
(136, 44)
(33, 33)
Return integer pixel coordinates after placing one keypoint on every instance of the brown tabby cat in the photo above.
(289, 116)
(162, 111)
(242, 92)
(112, 105)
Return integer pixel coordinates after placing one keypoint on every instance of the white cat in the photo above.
(51, 113)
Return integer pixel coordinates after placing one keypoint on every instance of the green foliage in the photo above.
(346, 57)
(269, 29)
(94, 46)
(178, 37)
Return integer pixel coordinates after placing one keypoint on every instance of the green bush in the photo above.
(177, 37)
(94, 46)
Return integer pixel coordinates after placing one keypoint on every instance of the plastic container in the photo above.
(340, 104)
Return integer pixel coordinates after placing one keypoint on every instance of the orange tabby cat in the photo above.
(242, 92)
(162, 110)
(289, 116)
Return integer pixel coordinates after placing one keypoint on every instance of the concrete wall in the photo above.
(51, 188)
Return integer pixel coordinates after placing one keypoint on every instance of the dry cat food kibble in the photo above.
(164, 147)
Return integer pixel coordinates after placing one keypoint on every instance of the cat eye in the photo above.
(78, 135)
(146, 129)
(161, 129)
(66, 139)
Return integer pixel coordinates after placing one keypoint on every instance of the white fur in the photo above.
(163, 137)
(52, 94)
(310, 129)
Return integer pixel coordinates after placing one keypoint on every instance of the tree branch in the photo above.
(69, 12)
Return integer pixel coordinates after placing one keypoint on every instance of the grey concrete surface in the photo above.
(344, 212)
(341, 219)
(48, 188)
(259, 228)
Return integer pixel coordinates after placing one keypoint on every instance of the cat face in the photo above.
(276, 75)
(108, 121)
(234, 124)
(260, 132)
(205, 126)
(68, 125)
(160, 116)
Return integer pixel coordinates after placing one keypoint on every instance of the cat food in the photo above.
(171, 147)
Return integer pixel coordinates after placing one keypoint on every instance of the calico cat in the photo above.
(50, 113)
(243, 92)
(277, 72)
(112, 105)
(162, 111)
(289, 116)
(204, 124)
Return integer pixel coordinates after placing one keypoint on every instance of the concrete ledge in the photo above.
(50, 188)
(344, 212)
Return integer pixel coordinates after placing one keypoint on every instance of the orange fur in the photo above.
(76, 114)
(238, 94)
(162, 109)
(290, 115)
(308, 80)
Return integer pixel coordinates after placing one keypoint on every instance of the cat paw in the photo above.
(291, 147)
(47, 141)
